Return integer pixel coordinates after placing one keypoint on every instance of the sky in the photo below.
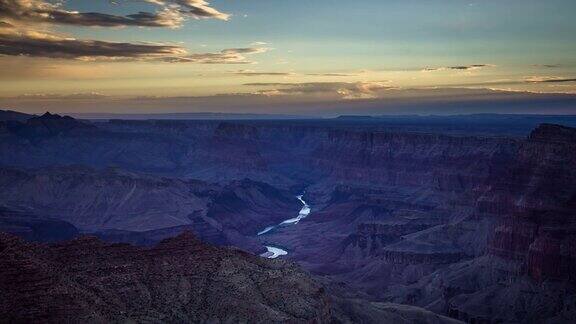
(320, 57)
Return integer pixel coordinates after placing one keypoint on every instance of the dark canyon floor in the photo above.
(412, 219)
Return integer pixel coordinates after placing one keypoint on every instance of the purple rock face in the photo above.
(460, 224)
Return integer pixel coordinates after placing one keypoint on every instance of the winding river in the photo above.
(273, 251)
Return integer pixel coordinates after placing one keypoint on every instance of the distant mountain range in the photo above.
(184, 116)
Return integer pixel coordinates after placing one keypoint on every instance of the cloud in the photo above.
(246, 50)
(458, 67)
(344, 90)
(393, 101)
(195, 8)
(17, 42)
(256, 73)
(171, 14)
(331, 74)
(549, 79)
(39, 44)
(38, 11)
(23, 32)
(54, 96)
(548, 66)
(226, 56)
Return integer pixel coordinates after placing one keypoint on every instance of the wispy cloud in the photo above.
(325, 102)
(458, 67)
(250, 73)
(548, 66)
(549, 79)
(331, 74)
(56, 96)
(194, 8)
(226, 56)
(344, 90)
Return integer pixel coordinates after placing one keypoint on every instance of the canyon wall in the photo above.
(462, 225)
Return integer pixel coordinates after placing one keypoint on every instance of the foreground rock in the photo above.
(179, 280)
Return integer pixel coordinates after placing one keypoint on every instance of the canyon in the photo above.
(476, 223)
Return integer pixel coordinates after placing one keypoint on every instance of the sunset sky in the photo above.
(297, 56)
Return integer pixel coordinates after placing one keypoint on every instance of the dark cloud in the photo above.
(548, 66)
(14, 42)
(549, 80)
(245, 50)
(20, 36)
(53, 46)
(459, 67)
(171, 14)
(44, 12)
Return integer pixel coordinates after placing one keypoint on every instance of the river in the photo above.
(274, 251)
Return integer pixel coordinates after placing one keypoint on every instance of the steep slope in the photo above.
(179, 280)
(110, 199)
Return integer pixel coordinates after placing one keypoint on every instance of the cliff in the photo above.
(527, 273)
(537, 205)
